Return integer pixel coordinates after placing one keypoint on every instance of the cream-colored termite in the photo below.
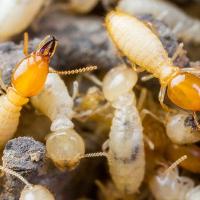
(126, 149)
(181, 128)
(141, 46)
(34, 192)
(64, 145)
(185, 27)
(17, 15)
(168, 185)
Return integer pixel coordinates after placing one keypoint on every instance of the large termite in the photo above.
(142, 47)
(30, 192)
(126, 148)
(168, 185)
(28, 79)
(185, 27)
(16, 15)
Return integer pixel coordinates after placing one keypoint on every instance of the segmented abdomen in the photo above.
(126, 150)
(137, 42)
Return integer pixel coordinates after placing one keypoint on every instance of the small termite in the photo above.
(33, 192)
(64, 145)
(142, 47)
(17, 15)
(126, 148)
(28, 79)
(185, 27)
(168, 185)
(181, 128)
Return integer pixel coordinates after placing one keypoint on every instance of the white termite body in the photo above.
(179, 129)
(185, 27)
(64, 145)
(10, 107)
(17, 15)
(171, 186)
(126, 149)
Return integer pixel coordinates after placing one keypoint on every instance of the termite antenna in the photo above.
(74, 71)
(175, 164)
(92, 155)
(26, 38)
(11, 172)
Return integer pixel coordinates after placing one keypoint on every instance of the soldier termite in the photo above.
(33, 192)
(139, 44)
(16, 15)
(28, 79)
(168, 185)
(185, 27)
(126, 148)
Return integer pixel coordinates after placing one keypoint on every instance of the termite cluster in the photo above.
(149, 138)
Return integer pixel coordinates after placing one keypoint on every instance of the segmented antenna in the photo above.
(11, 172)
(74, 71)
(175, 164)
(97, 154)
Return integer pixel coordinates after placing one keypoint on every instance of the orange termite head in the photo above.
(184, 91)
(30, 74)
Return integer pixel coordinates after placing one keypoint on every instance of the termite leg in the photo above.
(196, 120)
(3, 86)
(192, 70)
(161, 98)
(179, 51)
(105, 146)
(145, 112)
(25, 44)
(147, 77)
(94, 79)
(142, 98)
(75, 92)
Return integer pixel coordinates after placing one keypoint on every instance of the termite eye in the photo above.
(184, 91)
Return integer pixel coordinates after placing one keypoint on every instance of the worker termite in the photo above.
(126, 149)
(33, 192)
(168, 185)
(185, 27)
(16, 15)
(186, 132)
(28, 79)
(64, 145)
(142, 47)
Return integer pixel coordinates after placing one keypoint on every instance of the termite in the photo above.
(185, 27)
(168, 184)
(181, 128)
(28, 79)
(126, 149)
(16, 15)
(33, 192)
(64, 145)
(141, 46)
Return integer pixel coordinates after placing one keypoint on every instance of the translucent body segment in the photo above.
(36, 192)
(65, 148)
(118, 81)
(29, 76)
(184, 91)
(184, 134)
(136, 41)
